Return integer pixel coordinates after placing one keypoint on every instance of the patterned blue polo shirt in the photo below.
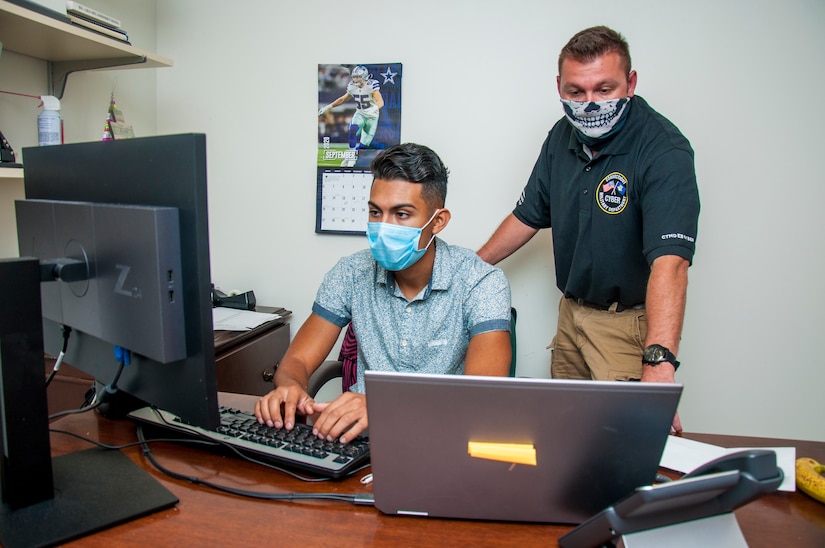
(428, 334)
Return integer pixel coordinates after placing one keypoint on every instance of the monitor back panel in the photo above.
(594, 442)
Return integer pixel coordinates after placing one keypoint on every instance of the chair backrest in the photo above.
(513, 317)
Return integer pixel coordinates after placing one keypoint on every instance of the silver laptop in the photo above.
(512, 449)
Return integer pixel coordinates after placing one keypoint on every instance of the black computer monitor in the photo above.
(165, 172)
(105, 201)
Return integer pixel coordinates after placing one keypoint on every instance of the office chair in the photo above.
(332, 369)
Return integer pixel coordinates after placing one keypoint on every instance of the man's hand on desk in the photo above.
(347, 413)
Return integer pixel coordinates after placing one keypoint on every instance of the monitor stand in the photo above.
(48, 501)
(93, 490)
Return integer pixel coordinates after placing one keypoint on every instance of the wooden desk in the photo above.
(208, 518)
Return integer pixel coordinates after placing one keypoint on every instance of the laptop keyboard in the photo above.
(297, 449)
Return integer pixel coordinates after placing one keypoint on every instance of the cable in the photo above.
(67, 331)
(74, 411)
(361, 499)
(130, 444)
(238, 453)
(198, 441)
(21, 94)
(124, 358)
(99, 397)
(143, 442)
(241, 492)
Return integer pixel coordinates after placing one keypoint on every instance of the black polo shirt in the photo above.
(613, 215)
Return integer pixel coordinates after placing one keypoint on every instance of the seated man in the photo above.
(415, 302)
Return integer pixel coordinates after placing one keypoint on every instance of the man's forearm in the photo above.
(508, 237)
(666, 300)
(291, 372)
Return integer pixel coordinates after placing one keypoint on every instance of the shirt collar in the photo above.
(440, 279)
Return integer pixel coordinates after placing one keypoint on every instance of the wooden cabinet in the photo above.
(246, 361)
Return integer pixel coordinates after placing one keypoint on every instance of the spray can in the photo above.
(49, 122)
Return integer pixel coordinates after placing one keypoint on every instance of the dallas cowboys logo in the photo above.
(389, 76)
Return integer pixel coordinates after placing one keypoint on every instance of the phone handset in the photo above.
(758, 474)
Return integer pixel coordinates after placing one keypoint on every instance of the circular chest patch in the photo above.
(611, 194)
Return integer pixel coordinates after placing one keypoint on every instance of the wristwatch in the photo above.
(656, 354)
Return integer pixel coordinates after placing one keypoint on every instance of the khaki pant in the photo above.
(595, 344)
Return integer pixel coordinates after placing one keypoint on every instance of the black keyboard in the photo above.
(297, 449)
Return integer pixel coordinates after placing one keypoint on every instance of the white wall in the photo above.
(741, 79)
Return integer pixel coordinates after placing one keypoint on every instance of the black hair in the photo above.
(416, 164)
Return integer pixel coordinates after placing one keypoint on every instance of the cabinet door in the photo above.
(249, 368)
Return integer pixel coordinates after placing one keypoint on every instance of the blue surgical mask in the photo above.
(395, 247)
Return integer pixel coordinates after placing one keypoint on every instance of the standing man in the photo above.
(616, 182)
(368, 101)
(416, 303)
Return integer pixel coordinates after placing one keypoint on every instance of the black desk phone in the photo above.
(717, 487)
(241, 301)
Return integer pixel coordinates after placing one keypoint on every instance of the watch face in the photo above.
(654, 353)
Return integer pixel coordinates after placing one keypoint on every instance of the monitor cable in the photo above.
(67, 331)
(101, 396)
(358, 499)
(354, 499)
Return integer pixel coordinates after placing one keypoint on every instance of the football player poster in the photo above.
(359, 114)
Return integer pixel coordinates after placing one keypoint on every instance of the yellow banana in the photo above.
(809, 478)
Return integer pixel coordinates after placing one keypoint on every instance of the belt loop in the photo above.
(614, 307)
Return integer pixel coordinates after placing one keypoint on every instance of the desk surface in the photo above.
(206, 517)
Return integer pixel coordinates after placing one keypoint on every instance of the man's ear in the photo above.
(632, 78)
(441, 220)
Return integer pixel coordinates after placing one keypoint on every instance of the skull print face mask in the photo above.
(596, 120)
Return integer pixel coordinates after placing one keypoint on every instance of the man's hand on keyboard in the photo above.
(344, 418)
(292, 397)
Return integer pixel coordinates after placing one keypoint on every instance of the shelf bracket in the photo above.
(59, 71)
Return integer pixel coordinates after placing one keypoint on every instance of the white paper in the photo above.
(684, 455)
(233, 319)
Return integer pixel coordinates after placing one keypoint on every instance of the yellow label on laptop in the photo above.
(519, 453)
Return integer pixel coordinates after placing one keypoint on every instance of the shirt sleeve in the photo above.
(488, 303)
(670, 205)
(332, 301)
(533, 206)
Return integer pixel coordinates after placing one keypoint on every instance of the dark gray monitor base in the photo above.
(93, 490)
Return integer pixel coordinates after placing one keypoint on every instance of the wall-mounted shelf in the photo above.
(67, 48)
(11, 174)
